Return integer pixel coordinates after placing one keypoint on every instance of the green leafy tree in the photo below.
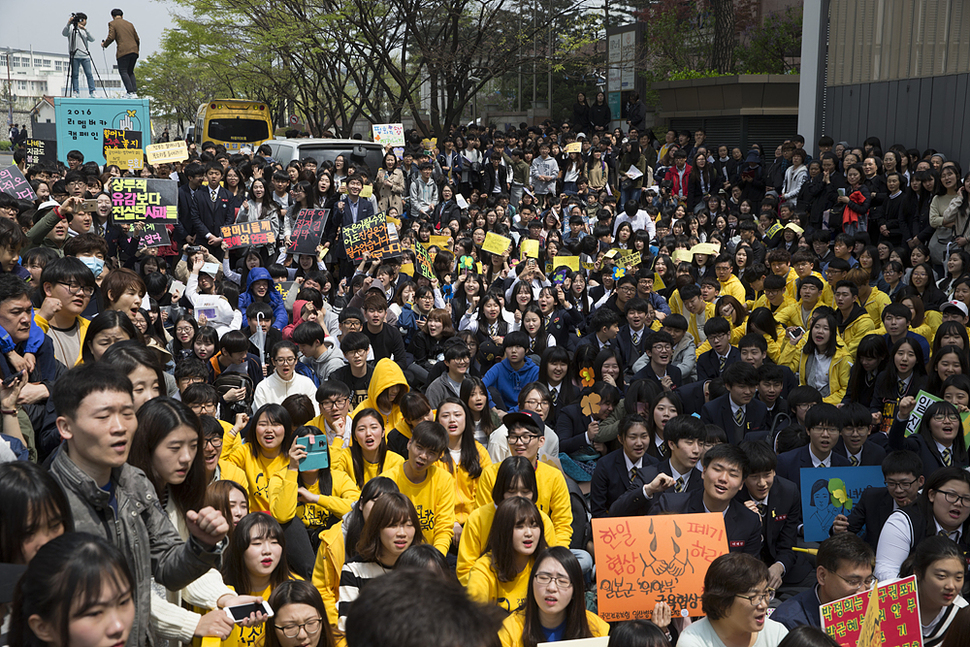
(775, 46)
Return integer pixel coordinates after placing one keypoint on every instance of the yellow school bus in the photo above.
(235, 123)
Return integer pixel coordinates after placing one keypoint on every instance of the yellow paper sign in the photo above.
(479, 267)
(612, 253)
(167, 152)
(407, 268)
(495, 243)
(795, 228)
(575, 147)
(658, 282)
(367, 191)
(441, 242)
(682, 255)
(631, 260)
(395, 221)
(572, 262)
(131, 159)
(703, 248)
(530, 249)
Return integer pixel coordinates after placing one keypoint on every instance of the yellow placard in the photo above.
(703, 248)
(530, 248)
(795, 228)
(631, 260)
(658, 283)
(572, 262)
(612, 253)
(167, 152)
(407, 268)
(479, 267)
(495, 243)
(682, 255)
(441, 242)
(575, 147)
(367, 191)
(394, 221)
(131, 159)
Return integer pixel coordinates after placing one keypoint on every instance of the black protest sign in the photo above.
(155, 234)
(371, 235)
(41, 151)
(135, 199)
(13, 182)
(121, 138)
(308, 231)
(246, 234)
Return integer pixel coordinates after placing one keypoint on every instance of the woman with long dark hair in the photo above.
(260, 205)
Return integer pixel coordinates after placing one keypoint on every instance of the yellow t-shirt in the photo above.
(474, 536)
(485, 587)
(465, 486)
(343, 462)
(259, 470)
(553, 498)
(510, 634)
(434, 499)
(285, 504)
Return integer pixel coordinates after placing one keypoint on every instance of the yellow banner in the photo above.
(167, 152)
(131, 159)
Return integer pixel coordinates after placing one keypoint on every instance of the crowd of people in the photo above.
(413, 455)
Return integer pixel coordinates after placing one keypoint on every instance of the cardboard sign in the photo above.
(246, 234)
(407, 268)
(371, 235)
(389, 134)
(441, 242)
(317, 456)
(167, 152)
(424, 260)
(831, 491)
(644, 560)
(496, 244)
(81, 122)
(575, 147)
(530, 248)
(41, 151)
(887, 615)
(288, 291)
(116, 138)
(367, 191)
(572, 262)
(308, 231)
(136, 199)
(127, 159)
(923, 400)
(631, 260)
(13, 182)
(155, 235)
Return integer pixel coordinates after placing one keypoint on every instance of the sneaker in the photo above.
(76, 95)
(133, 95)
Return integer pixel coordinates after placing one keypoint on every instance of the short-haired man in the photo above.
(799, 313)
(115, 501)
(753, 348)
(604, 326)
(631, 339)
(68, 286)
(356, 373)
(730, 284)
(902, 472)
(659, 349)
(845, 566)
(457, 359)
(823, 422)
(853, 321)
(621, 469)
(896, 318)
(856, 425)
(577, 431)
(737, 412)
(515, 370)
(210, 209)
(319, 351)
(424, 192)
(385, 340)
(712, 363)
(955, 310)
(771, 385)
(696, 310)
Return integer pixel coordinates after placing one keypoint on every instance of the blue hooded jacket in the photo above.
(280, 318)
(509, 382)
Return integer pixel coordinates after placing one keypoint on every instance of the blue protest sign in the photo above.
(830, 491)
(80, 123)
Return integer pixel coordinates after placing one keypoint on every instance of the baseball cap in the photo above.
(530, 419)
(958, 305)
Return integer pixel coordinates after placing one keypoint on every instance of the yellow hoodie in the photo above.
(82, 331)
(386, 374)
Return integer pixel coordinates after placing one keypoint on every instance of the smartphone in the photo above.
(89, 206)
(8, 381)
(797, 332)
(241, 612)
(841, 192)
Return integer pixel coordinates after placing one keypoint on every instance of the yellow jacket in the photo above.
(875, 304)
(695, 329)
(82, 330)
(827, 297)
(465, 486)
(284, 503)
(553, 498)
(475, 535)
(434, 499)
(386, 374)
(737, 332)
(510, 634)
(485, 587)
(791, 315)
(733, 287)
(326, 570)
(853, 333)
(762, 302)
(838, 375)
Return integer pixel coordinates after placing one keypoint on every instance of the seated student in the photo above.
(799, 313)
(525, 439)
(385, 392)
(428, 485)
(737, 412)
(631, 339)
(259, 289)
(823, 423)
(711, 364)
(355, 372)
(684, 436)
(852, 319)
(97, 421)
(710, 289)
(939, 440)
(904, 375)
(620, 470)
(659, 350)
(754, 350)
(779, 260)
(234, 357)
(774, 298)
(822, 363)
(779, 507)
(855, 433)
(67, 285)
(895, 320)
(697, 312)
(320, 352)
(578, 432)
(844, 567)
(534, 397)
(725, 468)
(604, 326)
(515, 370)
(685, 353)
(385, 339)
(284, 381)
(457, 358)
(903, 474)
(804, 266)
(730, 284)
(333, 398)
(770, 386)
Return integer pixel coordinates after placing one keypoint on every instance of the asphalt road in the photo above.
(6, 159)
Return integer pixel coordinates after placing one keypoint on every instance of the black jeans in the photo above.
(126, 68)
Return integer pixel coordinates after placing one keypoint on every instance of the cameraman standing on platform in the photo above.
(123, 32)
(77, 47)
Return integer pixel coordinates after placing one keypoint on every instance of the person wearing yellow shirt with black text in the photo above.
(465, 457)
(368, 456)
(267, 439)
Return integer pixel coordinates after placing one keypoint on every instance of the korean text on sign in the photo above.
(887, 616)
(370, 235)
(13, 182)
(644, 560)
(143, 199)
(245, 234)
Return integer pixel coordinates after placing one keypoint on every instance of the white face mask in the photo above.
(93, 263)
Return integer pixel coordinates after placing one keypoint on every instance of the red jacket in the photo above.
(679, 180)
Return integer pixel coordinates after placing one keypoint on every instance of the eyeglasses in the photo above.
(759, 598)
(532, 404)
(953, 497)
(562, 582)
(941, 417)
(359, 351)
(900, 485)
(333, 404)
(285, 360)
(208, 407)
(292, 631)
(524, 439)
(215, 442)
(828, 431)
(73, 288)
(856, 582)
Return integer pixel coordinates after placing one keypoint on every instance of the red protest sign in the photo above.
(644, 560)
(886, 616)
(248, 234)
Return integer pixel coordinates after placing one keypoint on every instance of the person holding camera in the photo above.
(77, 47)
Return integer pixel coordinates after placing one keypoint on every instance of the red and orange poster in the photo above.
(886, 616)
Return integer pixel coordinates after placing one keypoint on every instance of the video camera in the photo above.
(76, 18)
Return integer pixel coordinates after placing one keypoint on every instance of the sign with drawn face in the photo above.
(644, 560)
(830, 491)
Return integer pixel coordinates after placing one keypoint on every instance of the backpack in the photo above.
(227, 381)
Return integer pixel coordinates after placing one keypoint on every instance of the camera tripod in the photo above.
(71, 72)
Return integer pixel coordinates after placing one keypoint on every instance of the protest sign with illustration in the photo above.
(830, 491)
(644, 560)
(389, 134)
(885, 616)
(136, 199)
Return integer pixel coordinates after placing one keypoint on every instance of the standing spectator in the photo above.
(123, 33)
(77, 46)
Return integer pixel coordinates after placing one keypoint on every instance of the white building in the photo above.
(27, 76)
